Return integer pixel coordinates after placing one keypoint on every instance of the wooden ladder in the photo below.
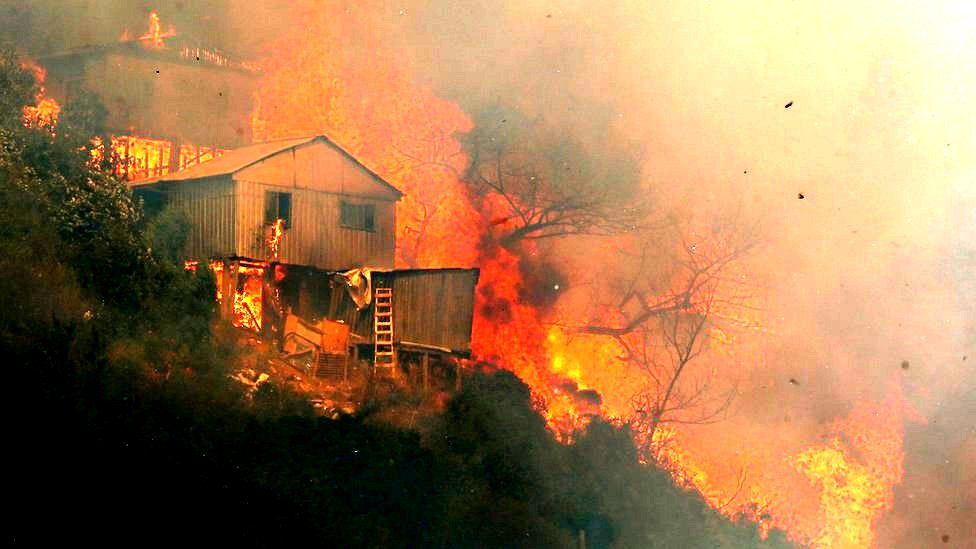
(384, 355)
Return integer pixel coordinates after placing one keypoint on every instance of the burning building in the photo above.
(300, 228)
(172, 102)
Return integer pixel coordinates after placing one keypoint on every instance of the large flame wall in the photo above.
(846, 149)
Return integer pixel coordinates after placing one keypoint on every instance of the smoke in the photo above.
(843, 131)
(243, 28)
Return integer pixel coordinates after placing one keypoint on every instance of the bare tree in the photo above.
(550, 183)
(665, 330)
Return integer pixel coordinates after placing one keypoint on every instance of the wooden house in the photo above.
(281, 221)
(337, 214)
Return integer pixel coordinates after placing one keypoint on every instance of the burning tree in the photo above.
(46, 154)
(548, 183)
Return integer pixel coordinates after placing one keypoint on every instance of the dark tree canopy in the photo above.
(93, 213)
(551, 183)
(17, 89)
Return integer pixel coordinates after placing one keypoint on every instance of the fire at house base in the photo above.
(304, 211)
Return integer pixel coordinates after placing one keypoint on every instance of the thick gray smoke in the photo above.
(843, 131)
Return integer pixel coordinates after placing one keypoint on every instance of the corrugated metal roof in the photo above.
(237, 159)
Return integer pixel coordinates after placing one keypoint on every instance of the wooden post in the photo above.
(269, 306)
(582, 539)
(425, 364)
(230, 289)
(126, 159)
(457, 376)
(174, 155)
(226, 306)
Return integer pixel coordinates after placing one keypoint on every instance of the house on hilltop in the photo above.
(299, 229)
(336, 213)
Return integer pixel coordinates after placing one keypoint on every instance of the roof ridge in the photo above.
(240, 158)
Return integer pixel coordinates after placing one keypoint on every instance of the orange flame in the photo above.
(218, 269)
(154, 36)
(247, 295)
(247, 298)
(45, 113)
(406, 134)
(138, 157)
(855, 470)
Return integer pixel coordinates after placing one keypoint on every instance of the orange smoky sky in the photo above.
(864, 109)
(874, 264)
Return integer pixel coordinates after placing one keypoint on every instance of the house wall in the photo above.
(314, 237)
(211, 205)
(200, 104)
(434, 307)
(430, 307)
(318, 166)
(319, 178)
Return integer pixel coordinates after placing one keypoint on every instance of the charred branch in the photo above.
(552, 185)
(666, 333)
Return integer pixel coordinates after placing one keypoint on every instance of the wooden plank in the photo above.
(317, 166)
(230, 287)
(436, 307)
(315, 237)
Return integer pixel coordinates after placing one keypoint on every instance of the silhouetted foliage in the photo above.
(93, 213)
(549, 183)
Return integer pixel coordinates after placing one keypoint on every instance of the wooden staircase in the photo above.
(384, 354)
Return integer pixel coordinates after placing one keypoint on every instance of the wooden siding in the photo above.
(319, 176)
(210, 204)
(430, 307)
(434, 307)
(161, 95)
(319, 166)
(227, 207)
(315, 237)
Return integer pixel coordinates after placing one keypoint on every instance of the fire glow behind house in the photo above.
(805, 271)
